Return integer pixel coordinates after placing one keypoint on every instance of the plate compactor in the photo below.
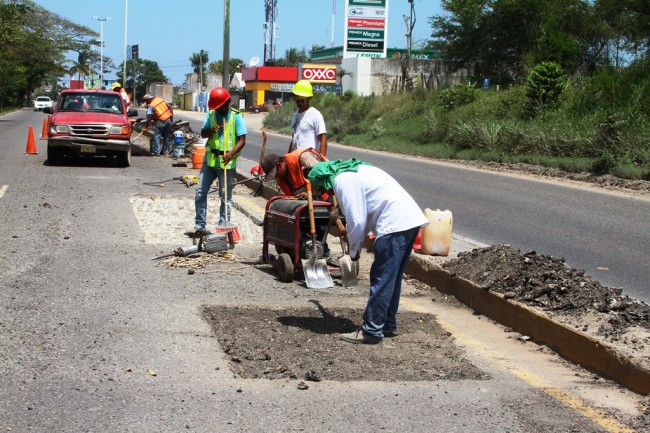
(287, 226)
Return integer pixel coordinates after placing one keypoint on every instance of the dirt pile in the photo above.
(567, 294)
(605, 181)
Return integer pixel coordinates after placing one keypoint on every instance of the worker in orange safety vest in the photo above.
(158, 111)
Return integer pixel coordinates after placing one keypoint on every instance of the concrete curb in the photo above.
(567, 342)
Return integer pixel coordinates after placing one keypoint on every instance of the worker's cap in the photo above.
(147, 97)
(116, 85)
(269, 165)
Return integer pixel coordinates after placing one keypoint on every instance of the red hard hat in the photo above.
(218, 97)
(257, 170)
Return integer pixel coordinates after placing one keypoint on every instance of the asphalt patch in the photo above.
(303, 344)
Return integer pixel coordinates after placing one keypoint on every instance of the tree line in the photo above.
(505, 39)
(38, 47)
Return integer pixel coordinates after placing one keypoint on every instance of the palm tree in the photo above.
(81, 66)
(199, 62)
(294, 56)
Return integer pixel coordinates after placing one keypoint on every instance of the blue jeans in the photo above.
(392, 253)
(207, 176)
(163, 128)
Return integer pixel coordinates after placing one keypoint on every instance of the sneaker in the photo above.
(390, 332)
(360, 336)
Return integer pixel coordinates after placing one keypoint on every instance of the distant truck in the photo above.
(162, 90)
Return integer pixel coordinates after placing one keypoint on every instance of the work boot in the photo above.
(360, 337)
(390, 332)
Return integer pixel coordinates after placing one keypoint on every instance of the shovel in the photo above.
(317, 276)
(349, 268)
(136, 137)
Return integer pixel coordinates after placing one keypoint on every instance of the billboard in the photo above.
(366, 28)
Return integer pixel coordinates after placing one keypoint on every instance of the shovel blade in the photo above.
(317, 276)
(348, 271)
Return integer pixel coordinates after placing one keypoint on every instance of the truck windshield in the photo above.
(91, 102)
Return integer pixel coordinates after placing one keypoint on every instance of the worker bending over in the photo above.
(372, 201)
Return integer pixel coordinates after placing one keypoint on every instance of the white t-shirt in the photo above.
(306, 127)
(125, 96)
(372, 201)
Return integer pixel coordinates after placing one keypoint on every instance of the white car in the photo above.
(41, 102)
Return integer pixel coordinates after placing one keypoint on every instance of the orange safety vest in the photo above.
(295, 180)
(160, 109)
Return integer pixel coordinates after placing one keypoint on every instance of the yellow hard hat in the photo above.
(303, 88)
(115, 85)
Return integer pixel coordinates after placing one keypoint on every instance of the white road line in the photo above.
(3, 189)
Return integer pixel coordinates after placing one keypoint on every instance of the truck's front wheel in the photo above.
(124, 158)
(54, 156)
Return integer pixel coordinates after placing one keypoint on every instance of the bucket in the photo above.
(436, 237)
(198, 153)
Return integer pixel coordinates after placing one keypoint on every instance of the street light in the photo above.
(101, 47)
(126, 20)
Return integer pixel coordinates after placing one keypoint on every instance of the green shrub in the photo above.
(456, 96)
(280, 118)
(544, 85)
(376, 129)
(592, 123)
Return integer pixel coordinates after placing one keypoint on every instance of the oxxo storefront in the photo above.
(268, 83)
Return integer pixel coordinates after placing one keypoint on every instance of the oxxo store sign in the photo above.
(316, 73)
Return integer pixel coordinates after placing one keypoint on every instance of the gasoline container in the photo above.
(436, 237)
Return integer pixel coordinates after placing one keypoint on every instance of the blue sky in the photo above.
(192, 25)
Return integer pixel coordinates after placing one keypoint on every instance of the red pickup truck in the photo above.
(89, 122)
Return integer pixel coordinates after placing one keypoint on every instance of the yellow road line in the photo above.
(566, 398)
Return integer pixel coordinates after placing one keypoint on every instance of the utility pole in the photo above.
(101, 48)
(126, 20)
(226, 44)
(333, 19)
(410, 23)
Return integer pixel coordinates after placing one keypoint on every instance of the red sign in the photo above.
(277, 73)
(366, 23)
(319, 74)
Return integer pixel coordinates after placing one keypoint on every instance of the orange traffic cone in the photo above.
(44, 130)
(31, 144)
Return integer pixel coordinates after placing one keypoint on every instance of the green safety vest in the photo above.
(225, 140)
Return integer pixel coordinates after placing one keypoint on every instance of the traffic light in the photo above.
(134, 51)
